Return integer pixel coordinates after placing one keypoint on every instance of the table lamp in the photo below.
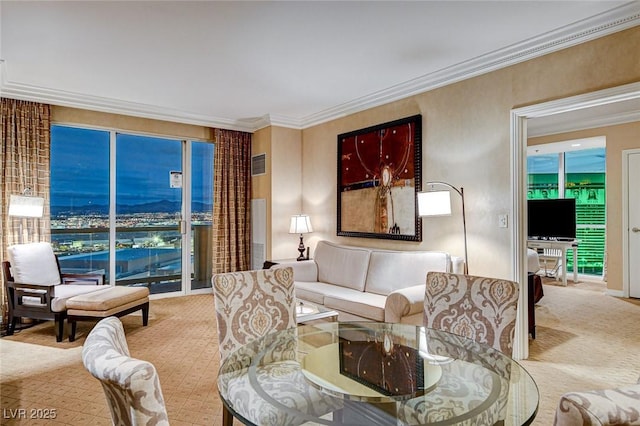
(300, 224)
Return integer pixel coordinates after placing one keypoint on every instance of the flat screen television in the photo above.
(552, 219)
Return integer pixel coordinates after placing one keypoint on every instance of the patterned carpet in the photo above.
(584, 340)
(181, 341)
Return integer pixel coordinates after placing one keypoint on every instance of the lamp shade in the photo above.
(434, 203)
(300, 224)
(25, 206)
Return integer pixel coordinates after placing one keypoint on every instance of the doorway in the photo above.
(609, 102)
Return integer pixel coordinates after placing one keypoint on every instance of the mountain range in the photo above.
(162, 206)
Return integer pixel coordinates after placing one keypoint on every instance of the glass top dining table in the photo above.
(356, 373)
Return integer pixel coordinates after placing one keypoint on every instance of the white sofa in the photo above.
(370, 284)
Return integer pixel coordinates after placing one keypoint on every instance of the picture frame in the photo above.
(379, 176)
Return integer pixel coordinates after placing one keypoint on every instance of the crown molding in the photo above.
(96, 103)
(618, 19)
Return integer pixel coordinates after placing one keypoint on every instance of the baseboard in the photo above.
(615, 293)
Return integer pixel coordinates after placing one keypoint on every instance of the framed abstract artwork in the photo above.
(379, 175)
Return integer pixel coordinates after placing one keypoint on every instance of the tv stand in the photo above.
(563, 246)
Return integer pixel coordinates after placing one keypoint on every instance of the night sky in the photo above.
(80, 168)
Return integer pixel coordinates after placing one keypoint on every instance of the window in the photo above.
(581, 173)
(133, 219)
(585, 181)
(80, 198)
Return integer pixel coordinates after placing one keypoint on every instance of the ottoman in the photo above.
(113, 301)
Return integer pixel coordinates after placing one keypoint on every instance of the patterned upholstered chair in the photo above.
(482, 309)
(619, 406)
(250, 305)
(131, 386)
(479, 310)
(473, 388)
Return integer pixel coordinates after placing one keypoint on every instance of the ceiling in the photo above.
(245, 65)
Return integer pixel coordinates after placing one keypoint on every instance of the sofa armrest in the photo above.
(303, 270)
(457, 265)
(404, 302)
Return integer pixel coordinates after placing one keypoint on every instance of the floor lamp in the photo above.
(438, 203)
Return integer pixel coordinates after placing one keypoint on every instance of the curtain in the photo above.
(24, 160)
(232, 201)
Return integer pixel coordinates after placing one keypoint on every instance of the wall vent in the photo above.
(259, 164)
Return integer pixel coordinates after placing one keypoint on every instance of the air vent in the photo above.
(259, 164)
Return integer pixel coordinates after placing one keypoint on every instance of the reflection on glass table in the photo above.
(375, 373)
(307, 312)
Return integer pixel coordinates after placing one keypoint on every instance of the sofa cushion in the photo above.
(362, 304)
(342, 265)
(389, 270)
(311, 291)
(33, 263)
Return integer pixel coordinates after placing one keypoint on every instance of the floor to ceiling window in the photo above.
(135, 207)
(80, 198)
(581, 175)
(201, 213)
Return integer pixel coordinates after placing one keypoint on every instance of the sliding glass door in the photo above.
(148, 212)
(201, 214)
(135, 207)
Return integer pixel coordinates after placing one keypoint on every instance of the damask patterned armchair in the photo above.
(479, 308)
(619, 406)
(131, 386)
(250, 305)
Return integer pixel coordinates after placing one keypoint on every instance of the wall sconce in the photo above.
(301, 224)
(438, 203)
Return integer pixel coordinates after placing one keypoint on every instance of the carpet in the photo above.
(584, 340)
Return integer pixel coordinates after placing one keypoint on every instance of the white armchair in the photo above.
(37, 289)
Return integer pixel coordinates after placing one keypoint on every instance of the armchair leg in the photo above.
(59, 322)
(11, 326)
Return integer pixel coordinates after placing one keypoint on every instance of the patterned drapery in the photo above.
(232, 201)
(24, 158)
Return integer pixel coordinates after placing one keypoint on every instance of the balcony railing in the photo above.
(145, 255)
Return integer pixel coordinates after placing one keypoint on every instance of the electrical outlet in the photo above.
(503, 221)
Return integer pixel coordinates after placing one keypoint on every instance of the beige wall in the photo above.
(466, 142)
(619, 138)
(261, 185)
(281, 186)
(65, 115)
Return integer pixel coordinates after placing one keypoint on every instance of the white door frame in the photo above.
(626, 284)
(519, 117)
